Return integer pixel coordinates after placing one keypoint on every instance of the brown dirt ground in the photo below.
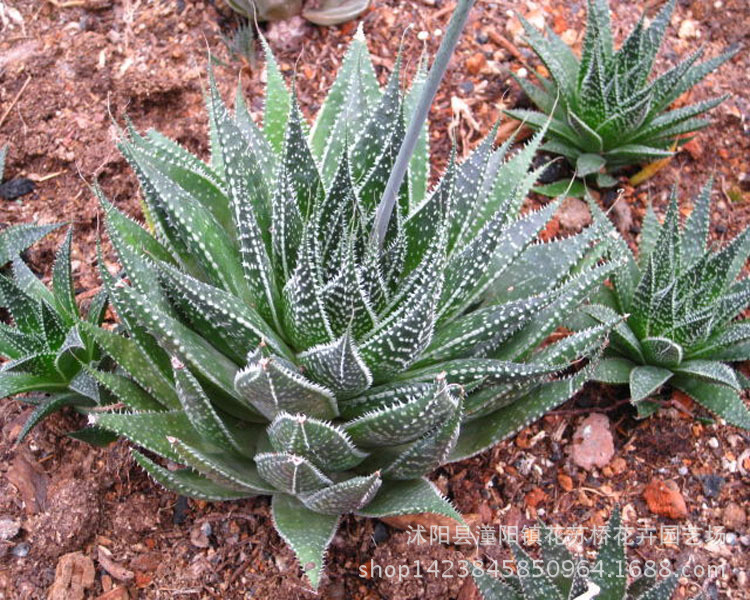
(68, 68)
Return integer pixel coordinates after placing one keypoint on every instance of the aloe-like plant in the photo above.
(605, 113)
(45, 350)
(320, 12)
(681, 298)
(561, 575)
(291, 333)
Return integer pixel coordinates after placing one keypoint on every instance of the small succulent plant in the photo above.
(605, 113)
(320, 12)
(45, 348)
(682, 299)
(276, 346)
(560, 575)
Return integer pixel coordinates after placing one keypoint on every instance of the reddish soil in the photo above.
(68, 73)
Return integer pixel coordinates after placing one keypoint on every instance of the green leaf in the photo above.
(125, 390)
(17, 238)
(574, 189)
(272, 384)
(24, 309)
(150, 430)
(188, 172)
(233, 326)
(662, 352)
(719, 399)
(419, 165)
(129, 355)
(19, 383)
(491, 588)
(27, 281)
(258, 143)
(428, 452)
(337, 365)
(587, 164)
(547, 54)
(535, 585)
(411, 497)
(324, 444)
(711, 371)
(482, 433)
(277, 101)
(307, 533)
(403, 422)
(290, 473)
(93, 436)
(183, 342)
(49, 406)
(614, 370)
(224, 468)
(610, 571)
(201, 413)
(186, 482)
(343, 497)
(645, 380)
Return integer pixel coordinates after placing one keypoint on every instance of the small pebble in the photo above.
(482, 37)
(380, 533)
(683, 470)
(467, 87)
(731, 538)
(21, 550)
(8, 528)
(712, 485)
(206, 529)
(713, 442)
(180, 510)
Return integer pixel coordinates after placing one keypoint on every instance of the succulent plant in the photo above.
(605, 113)
(681, 298)
(276, 347)
(320, 12)
(559, 575)
(45, 349)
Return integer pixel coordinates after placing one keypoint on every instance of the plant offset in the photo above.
(605, 113)
(46, 349)
(682, 299)
(301, 358)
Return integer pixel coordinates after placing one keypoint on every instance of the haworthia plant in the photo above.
(561, 575)
(682, 297)
(46, 351)
(275, 347)
(605, 112)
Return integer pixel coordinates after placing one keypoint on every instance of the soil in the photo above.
(68, 74)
